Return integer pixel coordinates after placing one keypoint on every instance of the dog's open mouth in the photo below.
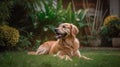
(60, 35)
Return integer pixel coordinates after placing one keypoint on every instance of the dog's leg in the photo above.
(61, 55)
(77, 54)
(66, 57)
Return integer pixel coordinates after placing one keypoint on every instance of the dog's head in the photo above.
(66, 30)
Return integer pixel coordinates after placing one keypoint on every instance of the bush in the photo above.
(111, 20)
(27, 42)
(110, 29)
(48, 17)
(9, 36)
(5, 10)
(111, 26)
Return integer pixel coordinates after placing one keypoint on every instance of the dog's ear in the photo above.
(74, 30)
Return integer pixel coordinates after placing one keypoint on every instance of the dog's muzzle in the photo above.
(59, 34)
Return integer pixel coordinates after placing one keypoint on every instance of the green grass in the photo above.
(102, 58)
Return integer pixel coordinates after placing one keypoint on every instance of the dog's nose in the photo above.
(56, 29)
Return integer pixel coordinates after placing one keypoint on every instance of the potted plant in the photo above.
(111, 30)
(94, 22)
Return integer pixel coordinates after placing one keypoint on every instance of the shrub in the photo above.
(28, 42)
(5, 10)
(111, 26)
(48, 17)
(51, 16)
(110, 29)
(112, 22)
(108, 20)
(8, 35)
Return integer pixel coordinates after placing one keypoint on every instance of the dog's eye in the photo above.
(63, 26)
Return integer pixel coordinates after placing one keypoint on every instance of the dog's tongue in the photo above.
(58, 36)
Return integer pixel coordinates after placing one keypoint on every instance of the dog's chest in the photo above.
(65, 45)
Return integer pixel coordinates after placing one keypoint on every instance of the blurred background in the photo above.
(25, 24)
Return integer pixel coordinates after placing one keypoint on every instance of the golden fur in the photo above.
(66, 46)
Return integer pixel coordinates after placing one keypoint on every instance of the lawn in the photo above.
(102, 58)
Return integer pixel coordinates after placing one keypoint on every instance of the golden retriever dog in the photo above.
(66, 46)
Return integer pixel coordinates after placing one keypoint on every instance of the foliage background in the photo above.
(37, 19)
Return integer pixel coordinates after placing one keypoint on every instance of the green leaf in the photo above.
(51, 27)
(69, 13)
(81, 25)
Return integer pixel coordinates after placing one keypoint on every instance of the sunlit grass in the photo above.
(102, 58)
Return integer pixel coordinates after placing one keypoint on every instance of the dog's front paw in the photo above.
(54, 55)
(86, 58)
(89, 58)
